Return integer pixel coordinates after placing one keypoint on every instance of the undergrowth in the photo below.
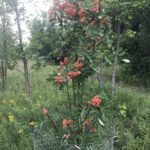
(20, 116)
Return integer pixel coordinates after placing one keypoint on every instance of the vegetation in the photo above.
(131, 105)
(82, 79)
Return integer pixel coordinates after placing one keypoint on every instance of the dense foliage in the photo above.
(133, 17)
(72, 105)
(136, 42)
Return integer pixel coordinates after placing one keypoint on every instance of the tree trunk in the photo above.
(109, 145)
(4, 46)
(115, 59)
(5, 58)
(4, 66)
(24, 59)
(26, 75)
(100, 80)
(2, 75)
(5, 69)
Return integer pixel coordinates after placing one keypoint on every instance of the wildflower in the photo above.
(78, 65)
(33, 123)
(74, 74)
(123, 113)
(67, 123)
(94, 9)
(51, 11)
(93, 130)
(70, 10)
(81, 12)
(66, 61)
(96, 6)
(124, 107)
(66, 136)
(20, 131)
(87, 122)
(12, 102)
(59, 80)
(45, 111)
(39, 97)
(10, 117)
(96, 101)
(63, 5)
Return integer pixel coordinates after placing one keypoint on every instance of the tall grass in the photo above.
(131, 106)
(17, 135)
(132, 122)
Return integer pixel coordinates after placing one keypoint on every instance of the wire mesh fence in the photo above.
(43, 140)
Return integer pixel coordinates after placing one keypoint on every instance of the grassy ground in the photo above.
(132, 123)
(18, 115)
(15, 134)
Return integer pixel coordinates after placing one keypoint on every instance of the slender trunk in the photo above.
(2, 75)
(68, 95)
(109, 145)
(26, 75)
(4, 46)
(5, 73)
(115, 60)
(24, 59)
(74, 93)
(4, 67)
(99, 77)
(5, 58)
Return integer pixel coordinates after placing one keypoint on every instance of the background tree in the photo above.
(42, 38)
(134, 32)
(7, 42)
(136, 39)
(20, 12)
